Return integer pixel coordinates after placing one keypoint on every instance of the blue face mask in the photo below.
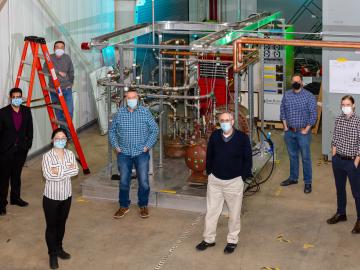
(60, 143)
(16, 102)
(132, 103)
(226, 127)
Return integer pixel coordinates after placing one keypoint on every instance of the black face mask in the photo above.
(296, 85)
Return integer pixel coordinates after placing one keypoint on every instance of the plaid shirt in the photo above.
(346, 136)
(132, 131)
(298, 109)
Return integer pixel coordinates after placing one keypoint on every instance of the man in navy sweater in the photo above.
(228, 162)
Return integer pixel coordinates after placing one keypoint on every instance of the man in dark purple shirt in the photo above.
(16, 135)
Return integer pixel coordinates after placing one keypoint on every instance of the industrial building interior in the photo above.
(189, 60)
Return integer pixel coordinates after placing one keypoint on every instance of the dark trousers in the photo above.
(344, 169)
(56, 213)
(11, 165)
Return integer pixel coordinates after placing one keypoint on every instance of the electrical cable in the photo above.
(254, 184)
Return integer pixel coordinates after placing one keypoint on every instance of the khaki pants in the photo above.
(219, 191)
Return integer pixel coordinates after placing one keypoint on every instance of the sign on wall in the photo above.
(344, 76)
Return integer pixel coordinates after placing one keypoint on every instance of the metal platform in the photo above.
(169, 186)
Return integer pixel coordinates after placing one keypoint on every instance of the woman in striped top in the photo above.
(58, 166)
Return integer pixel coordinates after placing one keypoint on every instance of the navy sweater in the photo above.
(228, 160)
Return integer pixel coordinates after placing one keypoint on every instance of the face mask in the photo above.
(59, 52)
(132, 103)
(226, 127)
(60, 143)
(346, 110)
(16, 102)
(296, 85)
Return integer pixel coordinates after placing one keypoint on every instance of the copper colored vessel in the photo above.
(175, 148)
(195, 159)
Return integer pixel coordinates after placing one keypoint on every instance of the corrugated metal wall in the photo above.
(165, 10)
(81, 19)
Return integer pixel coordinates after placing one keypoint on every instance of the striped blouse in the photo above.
(58, 186)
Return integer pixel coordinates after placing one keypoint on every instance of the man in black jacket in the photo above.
(16, 135)
(228, 163)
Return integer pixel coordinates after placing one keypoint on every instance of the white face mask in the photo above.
(346, 110)
(59, 52)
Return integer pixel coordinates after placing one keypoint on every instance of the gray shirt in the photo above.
(63, 64)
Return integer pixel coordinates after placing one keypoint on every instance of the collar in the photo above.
(227, 139)
(348, 118)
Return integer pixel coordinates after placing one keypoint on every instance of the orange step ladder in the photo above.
(36, 43)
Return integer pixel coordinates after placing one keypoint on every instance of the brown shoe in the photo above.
(121, 212)
(144, 212)
(356, 229)
(336, 218)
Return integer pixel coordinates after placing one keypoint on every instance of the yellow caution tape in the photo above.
(167, 191)
(269, 76)
(81, 199)
(280, 238)
(306, 246)
(270, 268)
(278, 191)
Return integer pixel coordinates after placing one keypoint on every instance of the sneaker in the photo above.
(144, 212)
(204, 245)
(307, 188)
(121, 212)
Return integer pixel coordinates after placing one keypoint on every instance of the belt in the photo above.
(345, 157)
(295, 129)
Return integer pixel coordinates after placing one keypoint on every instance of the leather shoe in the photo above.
(336, 218)
(356, 229)
(2, 211)
(204, 245)
(229, 248)
(53, 262)
(19, 202)
(288, 182)
(62, 254)
(307, 188)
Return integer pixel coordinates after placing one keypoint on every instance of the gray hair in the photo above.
(226, 112)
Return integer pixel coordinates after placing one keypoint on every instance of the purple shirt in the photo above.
(17, 119)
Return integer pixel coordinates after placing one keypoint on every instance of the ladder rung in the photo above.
(55, 106)
(25, 62)
(24, 79)
(41, 56)
(50, 89)
(44, 73)
(61, 123)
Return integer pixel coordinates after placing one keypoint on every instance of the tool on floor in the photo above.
(37, 43)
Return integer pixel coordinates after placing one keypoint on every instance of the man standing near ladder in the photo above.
(64, 69)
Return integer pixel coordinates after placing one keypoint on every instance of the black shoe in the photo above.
(288, 182)
(19, 202)
(2, 211)
(204, 245)
(53, 262)
(62, 254)
(229, 248)
(336, 218)
(307, 188)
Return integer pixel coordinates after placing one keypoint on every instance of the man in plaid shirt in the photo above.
(133, 133)
(298, 112)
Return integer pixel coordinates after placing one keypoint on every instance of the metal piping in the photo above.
(238, 50)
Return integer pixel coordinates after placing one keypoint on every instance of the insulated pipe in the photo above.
(238, 50)
(150, 87)
(178, 97)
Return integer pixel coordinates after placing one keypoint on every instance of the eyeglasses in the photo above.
(16, 97)
(225, 120)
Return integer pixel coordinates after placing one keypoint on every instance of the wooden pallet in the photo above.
(271, 124)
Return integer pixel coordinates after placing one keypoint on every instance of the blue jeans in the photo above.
(67, 93)
(296, 143)
(344, 169)
(125, 165)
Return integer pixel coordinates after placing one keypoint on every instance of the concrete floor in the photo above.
(281, 227)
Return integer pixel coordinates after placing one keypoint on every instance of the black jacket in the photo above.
(8, 133)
